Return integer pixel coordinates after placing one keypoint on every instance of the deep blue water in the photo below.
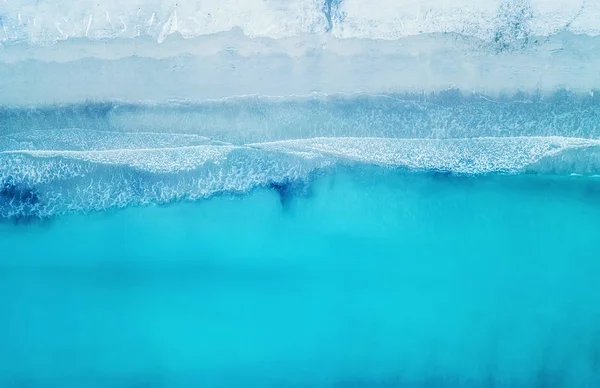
(365, 276)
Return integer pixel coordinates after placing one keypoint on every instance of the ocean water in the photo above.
(368, 277)
(303, 193)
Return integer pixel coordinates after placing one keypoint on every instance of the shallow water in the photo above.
(367, 277)
(299, 193)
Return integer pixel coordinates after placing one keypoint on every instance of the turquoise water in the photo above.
(299, 193)
(363, 276)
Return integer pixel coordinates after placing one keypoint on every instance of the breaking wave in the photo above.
(38, 183)
(98, 156)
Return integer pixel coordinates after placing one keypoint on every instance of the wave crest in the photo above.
(44, 183)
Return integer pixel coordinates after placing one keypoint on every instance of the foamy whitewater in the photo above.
(331, 193)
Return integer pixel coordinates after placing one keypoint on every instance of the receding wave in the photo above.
(38, 183)
(248, 119)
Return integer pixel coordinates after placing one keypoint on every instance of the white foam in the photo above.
(157, 160)
(67, 181)
(471, 156)
(73, 139)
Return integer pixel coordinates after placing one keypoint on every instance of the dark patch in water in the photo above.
(19, 196)
(449, 177)
(288, 190)
(18, 193)
(441, 175)
(284, 190)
